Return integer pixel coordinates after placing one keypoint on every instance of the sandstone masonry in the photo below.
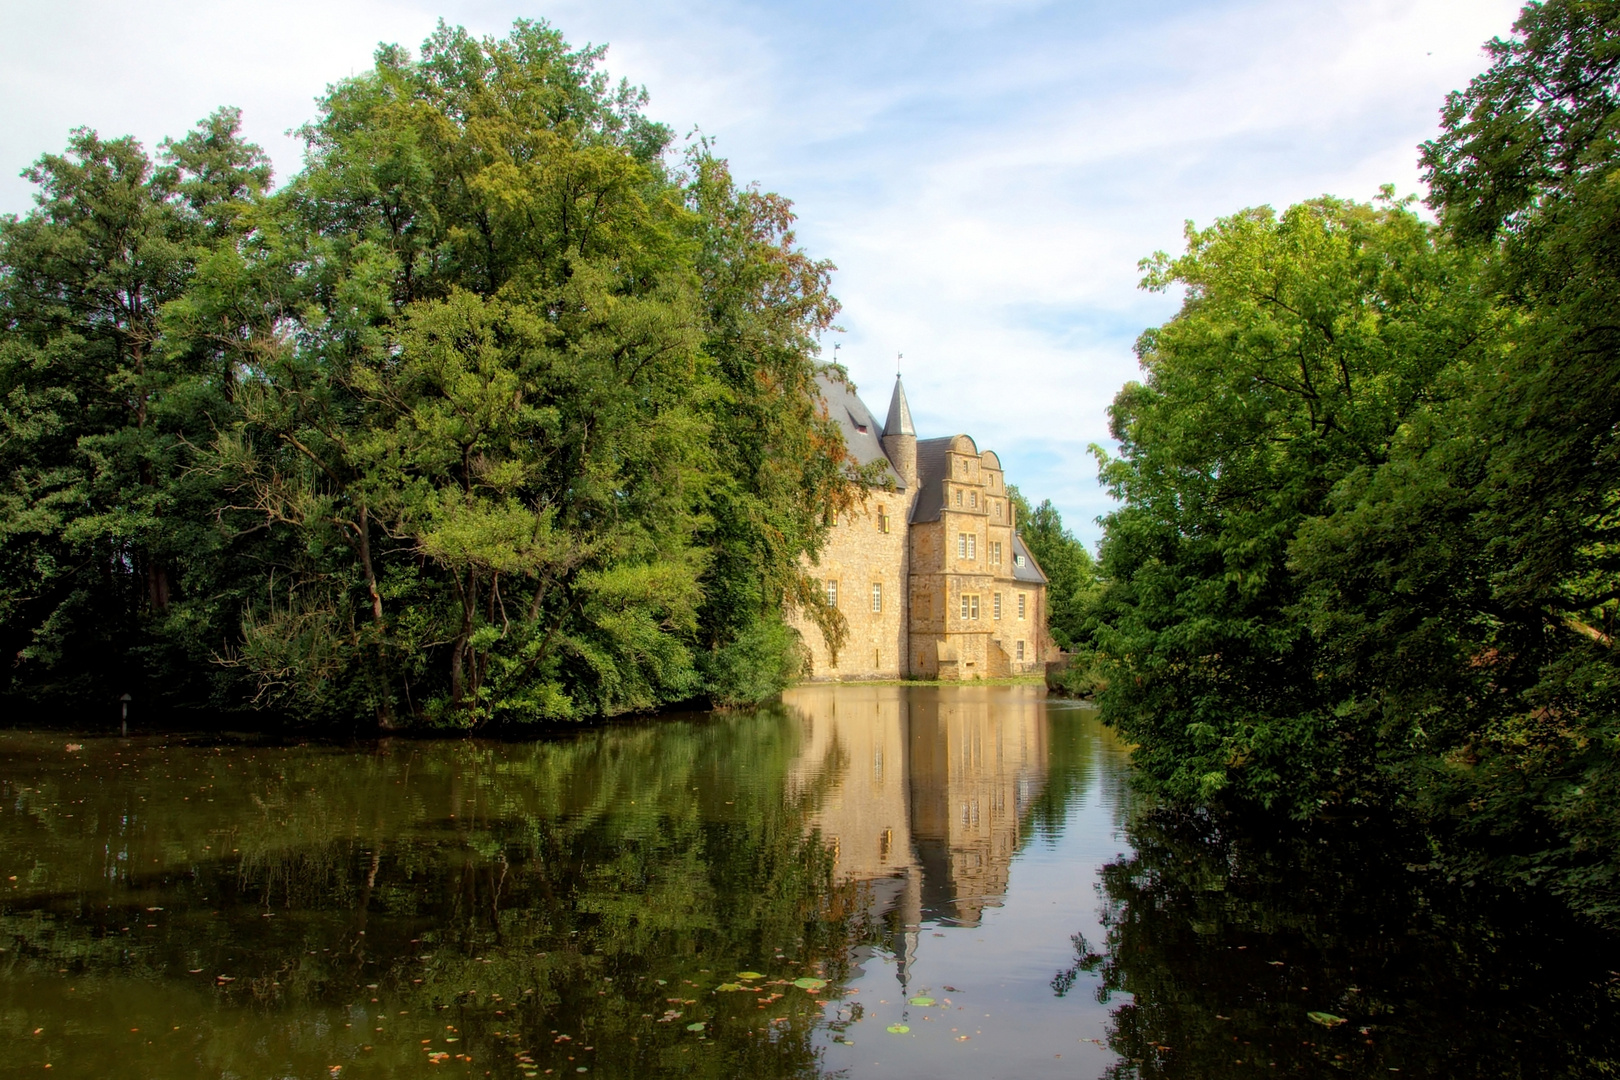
(931, 577)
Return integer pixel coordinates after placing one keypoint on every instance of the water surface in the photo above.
(864, 882)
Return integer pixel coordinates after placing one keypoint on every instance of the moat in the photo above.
(865, 881)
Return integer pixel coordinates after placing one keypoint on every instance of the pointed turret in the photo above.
(900, 437)
(899, 422)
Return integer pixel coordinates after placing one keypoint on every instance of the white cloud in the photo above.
(985, 172)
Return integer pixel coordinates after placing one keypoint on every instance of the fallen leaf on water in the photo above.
(807, 983)
(1326, 1019)
(749, 975)
(897, 1029)
(728, 986)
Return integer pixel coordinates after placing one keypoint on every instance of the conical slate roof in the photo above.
(899, 422)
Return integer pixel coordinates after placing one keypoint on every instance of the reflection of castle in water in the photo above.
(922, 790)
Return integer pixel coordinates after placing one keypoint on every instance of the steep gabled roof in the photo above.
(862, 436)
(1029, 570)
(932, 465)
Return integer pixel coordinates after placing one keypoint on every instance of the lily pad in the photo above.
(923, 1001)
(728, 986)
(699, 1026)
(749, 975)
(897, 1029)
(1327, 1019)
(807, 983)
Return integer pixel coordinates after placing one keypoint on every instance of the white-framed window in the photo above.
(970, 606)
(958, 496)
(973, 546)
(964, 605)
(973, 500)
(1018, 560)
(877, 596)
(995, 606)
(995, 553)
(832, 592)
(1021, 598)
(1020, 650)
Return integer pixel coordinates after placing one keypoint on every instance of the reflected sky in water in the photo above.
(865, 881)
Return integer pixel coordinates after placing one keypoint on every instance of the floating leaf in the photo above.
(728, 986)
(699, 1026)
(897, 1029)
(749, 975)
(807, 983)
(923, 1001)
(1327, 1019)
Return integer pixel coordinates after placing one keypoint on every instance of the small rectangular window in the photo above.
(964, 605)
(961, 545)
(883, 519)
(1021, 598)
(973, 500)
(973, 545)
(958, 496)
(973, 608)
(832, 592)
(998, 511)
(995, 606)
(1020, 650)
(877, 596)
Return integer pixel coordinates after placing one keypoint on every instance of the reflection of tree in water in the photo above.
(587, 888)
(1224, 944)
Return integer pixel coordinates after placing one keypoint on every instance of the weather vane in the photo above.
(897, 358)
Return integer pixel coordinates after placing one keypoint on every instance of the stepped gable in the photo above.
(862, 434)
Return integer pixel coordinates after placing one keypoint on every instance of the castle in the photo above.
(928, 570)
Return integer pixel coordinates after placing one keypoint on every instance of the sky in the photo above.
(986, 175)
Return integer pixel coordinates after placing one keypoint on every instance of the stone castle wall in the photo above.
(860, 555)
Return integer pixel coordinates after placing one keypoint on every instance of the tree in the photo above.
(1072, 584)
(490, 414)
(103, 525)
(1307, 342)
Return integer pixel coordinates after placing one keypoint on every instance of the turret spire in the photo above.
(899, 422)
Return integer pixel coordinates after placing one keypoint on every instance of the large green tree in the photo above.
(1307, 344)
(495, 412)
(1367, 550)
(106, 534)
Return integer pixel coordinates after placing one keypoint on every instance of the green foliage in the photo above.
(1073, 585)
(1307, 342)
(1367, 549)
(488, 415)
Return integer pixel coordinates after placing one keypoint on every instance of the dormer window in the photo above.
(1018, 560)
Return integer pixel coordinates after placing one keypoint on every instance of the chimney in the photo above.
(900, 437)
